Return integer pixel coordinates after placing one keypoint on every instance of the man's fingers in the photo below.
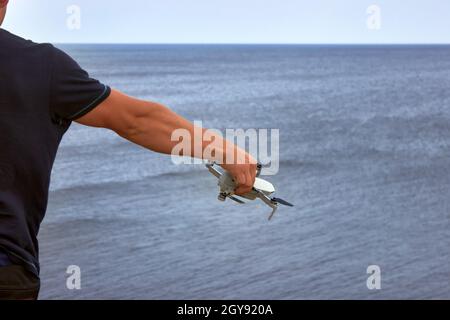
(244, 183)
(244, 176)
(252, 175)
(240, 182)
(249, 180)
(240, 191)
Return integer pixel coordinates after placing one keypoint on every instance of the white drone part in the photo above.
(264, 185)
(261, 185)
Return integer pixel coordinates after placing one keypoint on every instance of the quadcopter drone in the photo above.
(262, 189)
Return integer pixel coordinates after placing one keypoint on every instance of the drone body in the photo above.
(262, 189)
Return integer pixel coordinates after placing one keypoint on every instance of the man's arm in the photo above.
(151, 125)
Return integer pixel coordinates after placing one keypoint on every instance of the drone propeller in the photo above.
(283, 202)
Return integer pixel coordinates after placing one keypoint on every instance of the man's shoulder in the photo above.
(15, 42)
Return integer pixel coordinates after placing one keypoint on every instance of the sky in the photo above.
(231, 21)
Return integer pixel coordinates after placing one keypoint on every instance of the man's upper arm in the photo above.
(118, 113)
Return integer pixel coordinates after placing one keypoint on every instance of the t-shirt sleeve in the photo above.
(73, 93)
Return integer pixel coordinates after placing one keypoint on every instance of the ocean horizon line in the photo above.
(258, 44)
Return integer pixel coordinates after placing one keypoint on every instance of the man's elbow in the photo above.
(137, 120)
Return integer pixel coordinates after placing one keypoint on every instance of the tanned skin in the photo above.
(2, 12)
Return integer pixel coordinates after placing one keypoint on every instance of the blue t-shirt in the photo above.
(42, 90)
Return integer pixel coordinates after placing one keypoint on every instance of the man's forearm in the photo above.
(154, 127)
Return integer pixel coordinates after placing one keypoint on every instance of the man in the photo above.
(42, 90)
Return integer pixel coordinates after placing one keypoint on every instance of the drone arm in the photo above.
(213, 170)
(267, 201)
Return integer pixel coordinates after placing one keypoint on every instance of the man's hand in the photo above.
(151, 125)
(244, 174)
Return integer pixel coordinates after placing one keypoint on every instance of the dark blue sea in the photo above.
(364, 156)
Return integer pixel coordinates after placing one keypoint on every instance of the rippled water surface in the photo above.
(365, 156)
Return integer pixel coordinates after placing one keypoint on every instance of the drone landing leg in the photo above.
(273, 212)
(269, 202)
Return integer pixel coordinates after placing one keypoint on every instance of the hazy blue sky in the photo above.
(232, 21)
